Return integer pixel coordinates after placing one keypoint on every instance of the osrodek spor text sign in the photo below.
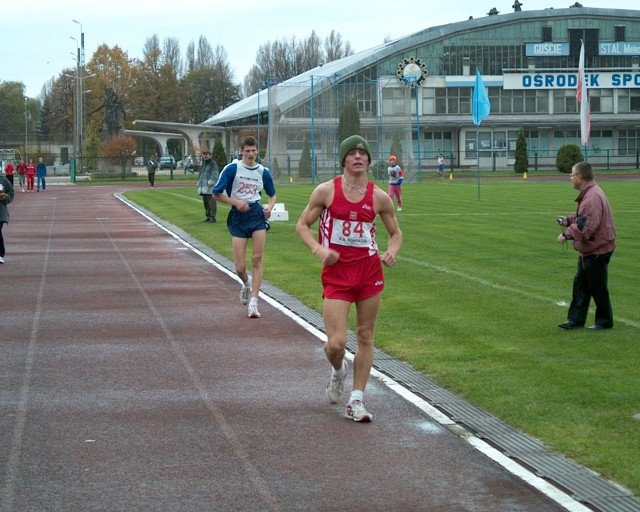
(617, 80)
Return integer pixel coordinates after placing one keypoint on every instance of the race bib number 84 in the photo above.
(351, 233)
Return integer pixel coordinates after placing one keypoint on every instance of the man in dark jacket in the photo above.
(6, 196)
(208, 178)
(152, 167)
(593, 233)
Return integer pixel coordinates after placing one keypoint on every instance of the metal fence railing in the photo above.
(288, 168)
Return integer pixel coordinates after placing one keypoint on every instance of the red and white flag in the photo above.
(583, 99)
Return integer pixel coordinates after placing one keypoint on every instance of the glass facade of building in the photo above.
(529, 62)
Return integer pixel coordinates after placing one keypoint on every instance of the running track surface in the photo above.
(132, 380)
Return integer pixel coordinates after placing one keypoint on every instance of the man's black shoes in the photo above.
(570, 325)
(596, 327)
(573, 325)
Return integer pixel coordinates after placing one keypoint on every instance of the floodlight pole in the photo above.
(313, 146)
(269, 127)
(80, 103)
(416, 88)
(26, 118)
(259, 114)
(336, 145)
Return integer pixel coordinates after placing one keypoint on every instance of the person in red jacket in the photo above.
(22, 170)
(31, 175)
(8, 171)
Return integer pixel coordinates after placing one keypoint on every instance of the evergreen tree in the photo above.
(396, 149)
(568, 155)
(275, 168)
(304, 166)
(521, 164)
(349, 122)
(218, 155)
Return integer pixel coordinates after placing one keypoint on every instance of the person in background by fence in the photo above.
(8, 170)
(209, 175)
(22, 171)
(30, 175)
(440, 169)
(152, 167)
(189, 165)
(41, 175)
(396, 177)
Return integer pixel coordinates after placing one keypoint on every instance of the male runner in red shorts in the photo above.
(347, 207)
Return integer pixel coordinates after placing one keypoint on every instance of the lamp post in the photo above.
(270, 82)
(313, 142)
(258, 129)
(416, 89)
(380, 113)
(267, 83)
(259, 113)
(336, 144)
(313, 129)
(26, 118)
(76, 108)
(80, 97)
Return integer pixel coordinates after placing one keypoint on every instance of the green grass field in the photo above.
(475, 300)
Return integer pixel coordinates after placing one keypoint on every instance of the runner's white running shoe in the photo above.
(335, 387)
(356, 412)
(245, 292)
(253, 310)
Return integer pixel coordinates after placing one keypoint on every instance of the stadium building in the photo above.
(416, 93)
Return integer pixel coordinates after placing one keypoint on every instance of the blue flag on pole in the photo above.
(480, 100)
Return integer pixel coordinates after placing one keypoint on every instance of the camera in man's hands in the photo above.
(561, 220)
